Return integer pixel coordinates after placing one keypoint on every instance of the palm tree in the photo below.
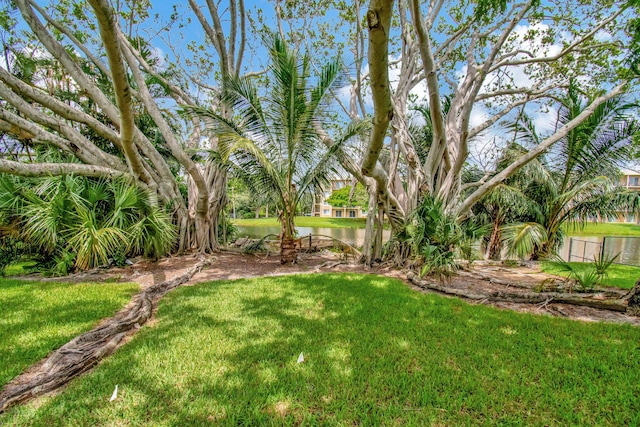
(276, 140)
(581, 173)
(509, 202)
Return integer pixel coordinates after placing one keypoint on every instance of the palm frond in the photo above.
(523, 239)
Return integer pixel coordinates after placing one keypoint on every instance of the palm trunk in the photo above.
(494, 247)
(288, 249)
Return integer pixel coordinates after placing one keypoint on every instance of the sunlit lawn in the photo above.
(376, 353)
(40, 317)
(305, 221)
(620, 276)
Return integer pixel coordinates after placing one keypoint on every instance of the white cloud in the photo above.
(544, 120)
(160, 57)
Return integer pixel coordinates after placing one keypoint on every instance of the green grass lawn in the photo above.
(620, 276)
(306, 221)
(606, 229)
(376, 353)
(40, 317)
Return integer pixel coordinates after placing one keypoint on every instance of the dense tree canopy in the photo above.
(93, 87)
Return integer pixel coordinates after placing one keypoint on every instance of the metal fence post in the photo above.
(570, 248)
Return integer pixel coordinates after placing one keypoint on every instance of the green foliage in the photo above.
(74, 219)
(376, 353)
(581, 171)
(61, 264)
(522, 239)
(602, 263)
(435, 239)
(585, 276)
(273, 140)
(620, 276)
(9, 252)
(347, 196)
(227, 231)
(94, 244)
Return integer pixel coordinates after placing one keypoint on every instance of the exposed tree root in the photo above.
(330, 264)
(633, 300)
(542, 298)
(479, 275)
(85, 351)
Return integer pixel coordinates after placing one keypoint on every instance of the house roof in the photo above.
(628, 171)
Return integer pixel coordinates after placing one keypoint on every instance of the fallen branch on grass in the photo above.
(591, 300)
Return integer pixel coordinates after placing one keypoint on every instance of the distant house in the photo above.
(323, 209)
(629, 179)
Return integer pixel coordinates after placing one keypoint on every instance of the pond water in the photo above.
(585, 248)
(352, 236)
(582, 248)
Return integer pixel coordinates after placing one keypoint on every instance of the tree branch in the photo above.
(55, 169)
(466, 205)
(108, 33)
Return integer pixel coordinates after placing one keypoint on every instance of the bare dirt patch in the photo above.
(482, 279)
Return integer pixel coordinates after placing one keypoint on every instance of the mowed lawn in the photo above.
(375, 353)
(605, 229)
(619, 276)
(37, 318)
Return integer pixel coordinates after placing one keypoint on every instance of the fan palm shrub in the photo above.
(275, 137)
(82, 223)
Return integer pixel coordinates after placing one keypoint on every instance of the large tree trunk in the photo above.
(217, 182)
(589, 300)
(369, 248)
(288, 249)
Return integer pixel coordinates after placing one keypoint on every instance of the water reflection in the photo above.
(585, 248)
(352, 236)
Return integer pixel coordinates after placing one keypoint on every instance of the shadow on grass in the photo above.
(40, 317)
(375, 353)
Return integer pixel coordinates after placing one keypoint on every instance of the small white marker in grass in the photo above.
(301, 358)
(114, 396)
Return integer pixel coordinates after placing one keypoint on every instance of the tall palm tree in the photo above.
(582, 171)
(276, 139)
